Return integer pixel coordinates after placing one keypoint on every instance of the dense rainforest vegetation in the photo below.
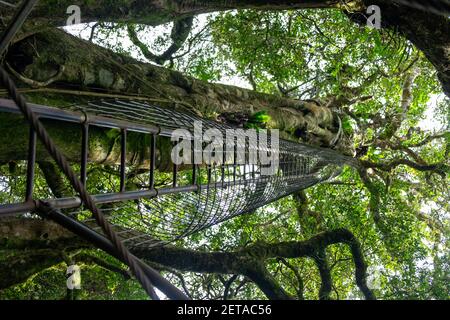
(379, 230)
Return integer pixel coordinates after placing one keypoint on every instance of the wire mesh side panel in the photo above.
(231, 189)
(149, 114)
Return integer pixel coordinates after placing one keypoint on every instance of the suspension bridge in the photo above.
(153, 215)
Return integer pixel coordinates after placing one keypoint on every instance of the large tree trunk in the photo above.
(154, 12)
(80, 65)
(85, 68)
(429, 32)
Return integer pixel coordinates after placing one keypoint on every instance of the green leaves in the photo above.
(347, 126)
(257, 120)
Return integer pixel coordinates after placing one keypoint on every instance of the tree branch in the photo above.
(258, 273)
(35, 83)
(179, 275)
(300, 288)
(439, 168)
(180, 32)
(248, 261)
(428, 139)
(54, 179)
(227, 286)
(325, 274)
(18, 268)
(375, 197)
(238, 262)
(407, 98)
(87, 258)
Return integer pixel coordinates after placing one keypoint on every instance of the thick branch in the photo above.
(258, 273)
(248, 261)
(431, 35)
(54, 179)
(439, 168)
(407, 98)
(87, 258)
(180, 32)
(325, 274)
(428, 32)
(101, 69)
(232, 262)
(18, 268)
(153, 12)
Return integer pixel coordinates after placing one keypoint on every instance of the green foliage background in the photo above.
(316, 55)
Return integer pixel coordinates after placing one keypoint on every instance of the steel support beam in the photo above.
(103, 243)
(16, 22)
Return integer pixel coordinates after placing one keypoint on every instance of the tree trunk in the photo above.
(154, 12)
(80, 65)
(429, 32)
(103, 148)
(86, 67)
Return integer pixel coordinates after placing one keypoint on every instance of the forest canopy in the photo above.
(316, 72)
